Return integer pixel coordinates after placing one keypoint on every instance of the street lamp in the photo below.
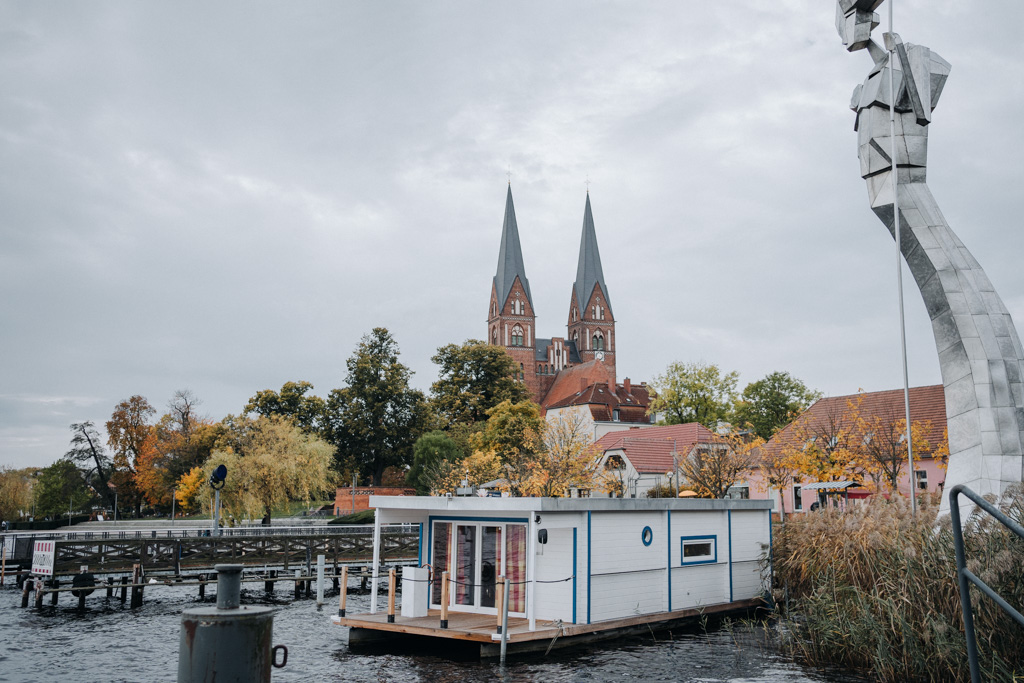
(217, 483)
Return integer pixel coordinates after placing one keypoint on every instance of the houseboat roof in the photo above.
(477, 504)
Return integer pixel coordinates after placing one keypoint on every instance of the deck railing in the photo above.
(967, 577)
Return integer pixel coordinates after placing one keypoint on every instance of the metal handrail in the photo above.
(964, 574)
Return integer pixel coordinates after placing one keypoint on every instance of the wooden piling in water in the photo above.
(110, 588)
(26, 585)
(499, 594)
(3, 563)
(343, 593)
(268, 586)
(137, 576)
(38, 585)
(124, 589)
(202, 586)
(391, 595)
(444, 600)
(298, 584)
(54, 583)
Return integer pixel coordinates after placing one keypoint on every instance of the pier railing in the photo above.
(177, 549)
(967, 577)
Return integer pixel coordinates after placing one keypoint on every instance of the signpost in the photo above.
(42, 558)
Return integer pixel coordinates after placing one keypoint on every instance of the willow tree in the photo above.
(276, 463)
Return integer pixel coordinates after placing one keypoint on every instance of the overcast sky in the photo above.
(226, 196)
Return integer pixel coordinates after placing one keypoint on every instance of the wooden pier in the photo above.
(183, 550)
(479, 630)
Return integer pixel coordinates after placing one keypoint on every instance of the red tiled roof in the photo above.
(571, 380)
(602, 401)
(927, 404)
(650, 449)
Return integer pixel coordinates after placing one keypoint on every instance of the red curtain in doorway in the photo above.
(515, 566)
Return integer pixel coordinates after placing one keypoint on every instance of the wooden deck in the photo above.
(481, 628)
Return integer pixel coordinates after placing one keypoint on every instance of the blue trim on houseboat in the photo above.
(574, 575)
(419, 554)
(588, 566)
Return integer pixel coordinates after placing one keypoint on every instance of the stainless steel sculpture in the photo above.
(980, 355)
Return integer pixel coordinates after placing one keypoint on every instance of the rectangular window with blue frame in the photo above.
(698, 550)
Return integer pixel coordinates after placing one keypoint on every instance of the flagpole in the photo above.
(891, 45)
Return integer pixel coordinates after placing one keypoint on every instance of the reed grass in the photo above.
(874, 588)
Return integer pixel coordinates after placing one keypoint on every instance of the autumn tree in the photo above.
(883, 444)
(445, 476)
(694, 392)
(280, 463)
(513, 432)
(827, 447)
(88, 453)
(181, 440)
(127, 430)
(473, 377)
(428, 453)
(291, 402)
(776, 473)
(565, 459)
(769, 404)
(61, 487)
(711, 468)
(15, 491)
(376, 419)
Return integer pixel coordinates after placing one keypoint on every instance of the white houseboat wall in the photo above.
(585, 560)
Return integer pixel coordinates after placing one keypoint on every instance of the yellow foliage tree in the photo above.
(712, 467)
(190, 490)
(479, 467)
(883, 445)
(565, 459)
(828, 448)
(277, 463)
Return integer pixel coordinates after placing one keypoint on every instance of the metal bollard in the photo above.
(228, 643)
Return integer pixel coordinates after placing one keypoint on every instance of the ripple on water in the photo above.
(113, 643)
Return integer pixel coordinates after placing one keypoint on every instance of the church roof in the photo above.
(588, 271)
(510, 256)
(570, 346)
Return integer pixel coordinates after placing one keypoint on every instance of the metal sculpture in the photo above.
(980, 354)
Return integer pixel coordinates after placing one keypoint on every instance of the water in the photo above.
(113, 643)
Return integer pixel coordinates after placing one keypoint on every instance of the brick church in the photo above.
(575, 369)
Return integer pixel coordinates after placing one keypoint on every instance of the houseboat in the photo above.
(577, 568)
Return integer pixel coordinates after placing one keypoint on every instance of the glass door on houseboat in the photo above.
(475, 554)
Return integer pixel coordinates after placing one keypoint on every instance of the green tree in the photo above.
(473, 378)
(279, 463)
(428, 452)
(61, 487)
(770, 404)
(376, 419)
(694, 392)
(512, 429)
(127, 430)
(87, 450)
(291, 402)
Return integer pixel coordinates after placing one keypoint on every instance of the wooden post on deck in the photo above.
(499, 598)
(391, 595)
(343, 593)
(444, 600)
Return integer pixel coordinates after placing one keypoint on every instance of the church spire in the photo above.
(510, 256)
(588, 271)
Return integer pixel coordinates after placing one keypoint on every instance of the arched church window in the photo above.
(598, 342)
(517, 336)
(494, 336)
